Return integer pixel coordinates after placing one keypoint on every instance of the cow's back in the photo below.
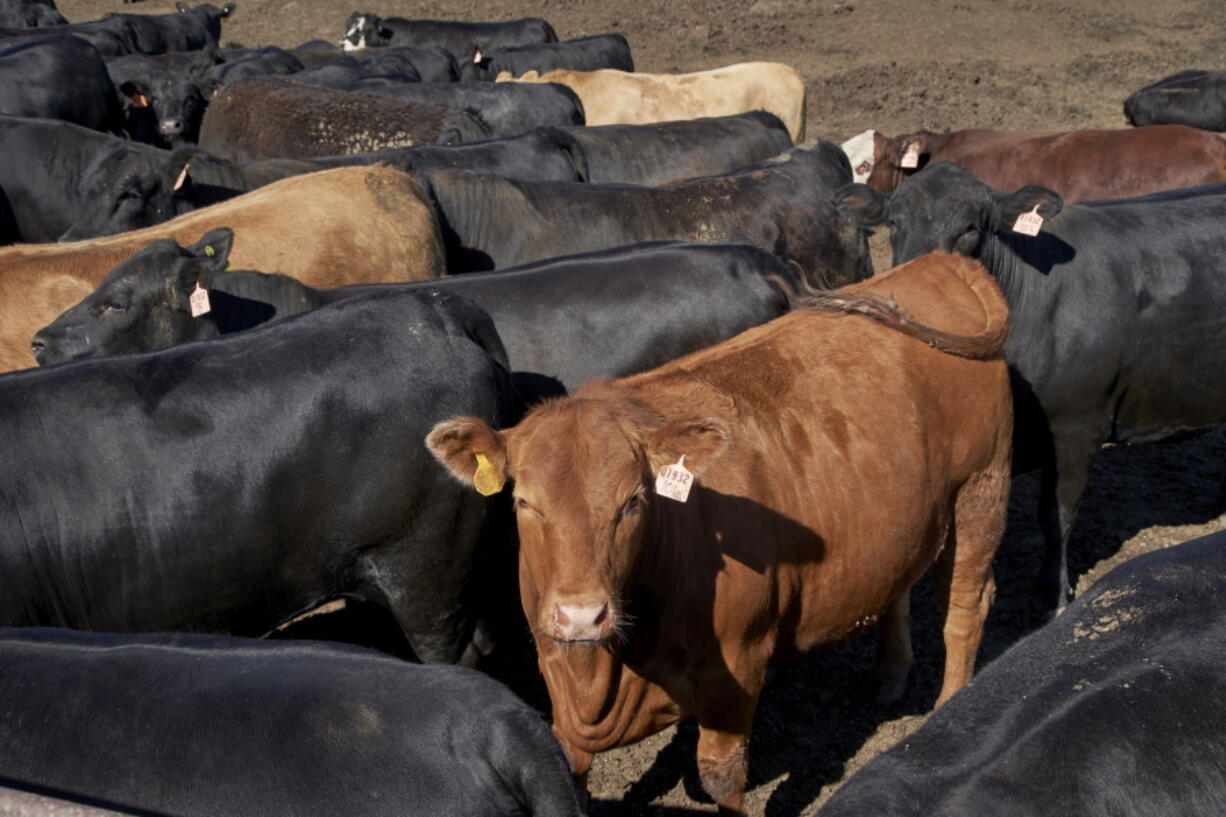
(1088, 715)
(328, 229)
(1087, 165)
(858, 415)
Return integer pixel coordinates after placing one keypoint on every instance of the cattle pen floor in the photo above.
(897, 66)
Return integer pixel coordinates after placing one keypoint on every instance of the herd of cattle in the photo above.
(400, 319)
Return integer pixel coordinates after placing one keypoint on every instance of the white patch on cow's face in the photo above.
(861, 151)
(355, 30)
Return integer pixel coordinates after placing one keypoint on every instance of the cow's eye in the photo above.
(634, 505)
(521, 506)
(114, 307)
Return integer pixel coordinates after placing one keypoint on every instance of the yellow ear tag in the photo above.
(487, 481)
(210, 252)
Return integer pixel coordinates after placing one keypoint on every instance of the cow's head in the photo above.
(141, 305)
(883, 163)
(129, 186)
(945, 207)
(363, 30)
(174, 101)
(584, 469)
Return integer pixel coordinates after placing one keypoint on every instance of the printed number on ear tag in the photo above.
(911, 157)
(199, 301)
(1029, 223)
(487, 480)
(674, 481)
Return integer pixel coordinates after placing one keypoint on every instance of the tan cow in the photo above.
(828, 461)
(351, 225)
(629, 98)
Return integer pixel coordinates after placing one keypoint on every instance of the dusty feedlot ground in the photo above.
(896, 66)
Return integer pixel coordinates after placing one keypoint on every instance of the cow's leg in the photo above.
(723, 766)
(963, 574)
(725, 709)
(1060, 490)
(894, 657)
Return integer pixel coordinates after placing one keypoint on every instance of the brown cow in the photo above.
(612, 97)
(1080, 165)
(835, 459)
(351, 225)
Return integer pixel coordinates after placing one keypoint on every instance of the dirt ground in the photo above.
(897, 66)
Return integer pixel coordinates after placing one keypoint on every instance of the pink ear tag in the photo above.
(182, 178)
(1029, 223)
(674, 481)
(910, 158)
(199, 301)
(477, 57)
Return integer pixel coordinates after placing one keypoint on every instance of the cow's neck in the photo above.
(606, 697)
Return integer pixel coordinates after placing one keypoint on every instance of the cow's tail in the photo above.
(885, 311)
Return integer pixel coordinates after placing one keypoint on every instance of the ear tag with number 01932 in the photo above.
(1029, 223)
(487, 480)
(674, 481)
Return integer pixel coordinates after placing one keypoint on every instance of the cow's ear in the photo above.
(215, 246)
(860, 204)
(209, 87)
(137, 92)
(472, 451)
(1009, 207)
(699, 439)
(178, 166)
(182, 7)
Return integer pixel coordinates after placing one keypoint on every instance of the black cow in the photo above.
(62, 181)
(1108, 711)
(365, 30)
(580, 54)
(257, 62)
(339, 72)
(111, 36)
(59, 78)
(30, 15)
(1115, 318)
(114, 35)
(315, 52)
(527, 106)
(197, 725)
(433, 64)
(1196, 98)
(563, 321)
(162, 97)
(232, 485)
(541, 154)
(190, 29)
(781, 205)
(669, 151)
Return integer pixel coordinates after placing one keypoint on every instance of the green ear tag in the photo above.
(209, 251)
(487, 481)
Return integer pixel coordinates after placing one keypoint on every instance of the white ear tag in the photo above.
(181, 178)
(199, 301)
(674, 481)
(1029, 223)
(911, 157)
(477, 57)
